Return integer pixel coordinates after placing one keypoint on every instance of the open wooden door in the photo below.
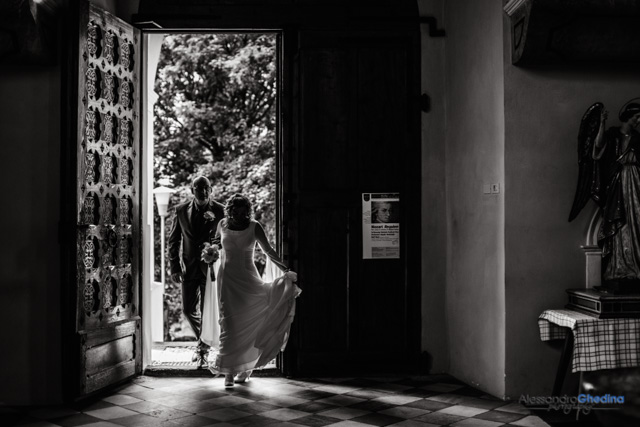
(357, 132)
(108, 220)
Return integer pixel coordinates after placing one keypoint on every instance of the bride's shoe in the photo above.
(228, 380)
(243, 377)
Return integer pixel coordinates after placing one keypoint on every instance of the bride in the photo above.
(254, 316)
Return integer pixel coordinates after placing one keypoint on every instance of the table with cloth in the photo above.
(591, 343)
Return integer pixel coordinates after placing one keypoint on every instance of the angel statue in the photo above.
(609, 173)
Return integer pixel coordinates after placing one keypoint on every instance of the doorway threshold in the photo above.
(173, 359)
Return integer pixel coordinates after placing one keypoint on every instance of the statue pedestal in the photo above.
(593, 261)
(603, 305)
(593, 299)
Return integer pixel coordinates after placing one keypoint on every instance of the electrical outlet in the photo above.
(495, 188)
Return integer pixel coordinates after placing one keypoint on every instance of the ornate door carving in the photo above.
(108, 200)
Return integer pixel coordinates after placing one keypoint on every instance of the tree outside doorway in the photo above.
(215, 116)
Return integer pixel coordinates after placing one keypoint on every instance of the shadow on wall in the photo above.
(28, 31)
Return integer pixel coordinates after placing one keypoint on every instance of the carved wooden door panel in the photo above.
(108, 200)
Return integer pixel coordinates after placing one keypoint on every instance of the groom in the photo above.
(194, 224)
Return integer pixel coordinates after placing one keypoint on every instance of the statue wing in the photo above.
(586, 165)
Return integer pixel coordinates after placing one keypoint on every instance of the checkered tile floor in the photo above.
(338, 402)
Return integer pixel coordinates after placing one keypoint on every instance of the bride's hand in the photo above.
(291, 275)
(209, 253)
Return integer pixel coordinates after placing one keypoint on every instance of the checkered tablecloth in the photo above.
(597, 343)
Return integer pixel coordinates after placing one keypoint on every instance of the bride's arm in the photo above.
(261, 237)
(216, 240)
(210, 254)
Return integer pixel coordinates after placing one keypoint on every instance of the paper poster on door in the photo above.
(380, 225)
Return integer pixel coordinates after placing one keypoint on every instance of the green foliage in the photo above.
(215, 116)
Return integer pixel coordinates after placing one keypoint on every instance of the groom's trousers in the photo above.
(193, 303)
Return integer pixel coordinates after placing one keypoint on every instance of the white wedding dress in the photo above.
(251, 322)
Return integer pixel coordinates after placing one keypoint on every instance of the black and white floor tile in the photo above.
(426, 401)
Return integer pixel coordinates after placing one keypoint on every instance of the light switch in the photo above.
(486, 188)
(495, 188)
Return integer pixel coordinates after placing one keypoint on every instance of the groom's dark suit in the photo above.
(193, 229)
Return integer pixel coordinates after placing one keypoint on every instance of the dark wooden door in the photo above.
(108, 236)
(357, 132)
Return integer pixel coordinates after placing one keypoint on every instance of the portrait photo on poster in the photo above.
(385, 211)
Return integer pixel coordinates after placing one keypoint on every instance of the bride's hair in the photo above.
(238, 200)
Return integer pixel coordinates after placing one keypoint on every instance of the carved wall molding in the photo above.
(556, 31)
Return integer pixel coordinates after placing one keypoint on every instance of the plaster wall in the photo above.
(474, 152)
(123, 9)
(29, 254)
(543, 108)
(434, 236)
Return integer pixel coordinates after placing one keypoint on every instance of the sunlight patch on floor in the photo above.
(179, 354)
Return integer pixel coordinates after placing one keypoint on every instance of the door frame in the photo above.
(361, 18)
(148, 204)
(69, 163)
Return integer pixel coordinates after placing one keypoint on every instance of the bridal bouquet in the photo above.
(210, 253)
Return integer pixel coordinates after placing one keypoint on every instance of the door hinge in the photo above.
(432, 22)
